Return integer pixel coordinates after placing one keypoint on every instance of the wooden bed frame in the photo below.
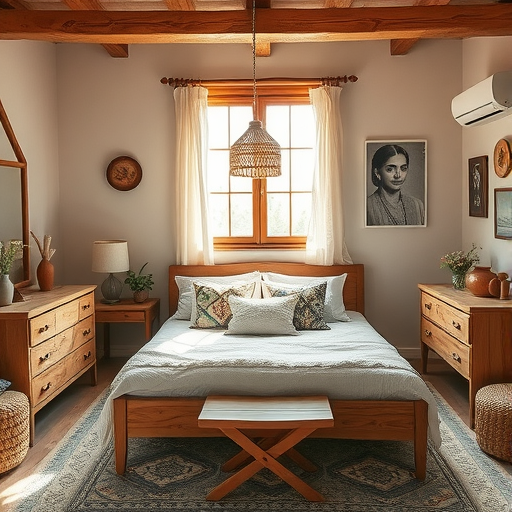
(136, 416)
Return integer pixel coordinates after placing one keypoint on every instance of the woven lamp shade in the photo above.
(255, 154)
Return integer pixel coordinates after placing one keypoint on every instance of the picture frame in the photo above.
(478, 179)
(392, 200)
(503, 213)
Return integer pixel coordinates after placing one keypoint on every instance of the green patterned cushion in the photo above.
(212, 305)
(309, 311)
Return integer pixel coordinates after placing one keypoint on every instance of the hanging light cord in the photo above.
(255, 117)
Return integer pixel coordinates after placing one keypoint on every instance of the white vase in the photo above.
(6, 290)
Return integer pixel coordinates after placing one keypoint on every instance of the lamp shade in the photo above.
(109, 256)
(255, 154)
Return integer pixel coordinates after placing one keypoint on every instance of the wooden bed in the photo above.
(136, 416)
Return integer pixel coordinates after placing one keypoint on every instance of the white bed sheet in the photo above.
(349, 361)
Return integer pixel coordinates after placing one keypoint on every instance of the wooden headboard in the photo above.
(353, 291)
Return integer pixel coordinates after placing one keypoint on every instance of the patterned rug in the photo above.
(174, 475)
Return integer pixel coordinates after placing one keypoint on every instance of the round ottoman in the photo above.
(14, 429)
(493, 420)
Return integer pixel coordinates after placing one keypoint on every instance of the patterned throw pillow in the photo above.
(4, 385)
(309, 311)
(263, 317)
(212, 304)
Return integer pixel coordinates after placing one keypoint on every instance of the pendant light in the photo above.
(255, 154)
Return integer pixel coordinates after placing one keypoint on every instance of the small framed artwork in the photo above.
(503, 213)
(478, 180)
(396, 183)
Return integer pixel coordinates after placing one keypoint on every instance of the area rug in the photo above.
(174, 475)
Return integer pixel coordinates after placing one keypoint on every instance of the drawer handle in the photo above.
(86, 306)
(428, 333)
(86, 356)
(456, 324)
(44, 329)
(86, 332)
(46, 387)
(456, 357)
(428, 306)
(45, 357)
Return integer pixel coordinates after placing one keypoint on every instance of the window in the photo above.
(272, 212)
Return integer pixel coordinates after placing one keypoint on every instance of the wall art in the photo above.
(503, 213)
(396, 183)
(478, 180)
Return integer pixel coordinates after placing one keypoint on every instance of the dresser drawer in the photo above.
(55, 377)
(45, 326)
(48, 353)
(86, 306)
(454, 352)
(448, 318)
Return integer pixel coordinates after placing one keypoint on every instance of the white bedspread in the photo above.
(350, 361)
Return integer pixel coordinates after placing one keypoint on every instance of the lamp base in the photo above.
(111, 289)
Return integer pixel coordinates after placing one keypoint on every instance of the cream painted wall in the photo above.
(28, 90)
(481, 58)
(108, 107)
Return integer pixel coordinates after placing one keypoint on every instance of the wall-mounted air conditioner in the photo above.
(486, 101)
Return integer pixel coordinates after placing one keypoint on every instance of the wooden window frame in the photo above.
(233, 94)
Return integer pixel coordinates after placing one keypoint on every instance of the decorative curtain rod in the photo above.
(306, 82)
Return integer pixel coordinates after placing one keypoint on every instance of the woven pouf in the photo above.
(14, 429)
(493, 420)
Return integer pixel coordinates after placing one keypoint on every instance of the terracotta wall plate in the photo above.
(502, 158)
(124, 173)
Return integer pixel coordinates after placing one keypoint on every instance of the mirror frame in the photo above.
(21, 164)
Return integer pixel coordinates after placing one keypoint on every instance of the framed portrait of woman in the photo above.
(396, 183)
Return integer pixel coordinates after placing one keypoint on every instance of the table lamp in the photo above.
(109, 257)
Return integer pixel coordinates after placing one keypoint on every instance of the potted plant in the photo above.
(139, 284)
(8, 253)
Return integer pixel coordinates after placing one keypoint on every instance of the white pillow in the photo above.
(334, 306)
(273, 316)
(186, 294)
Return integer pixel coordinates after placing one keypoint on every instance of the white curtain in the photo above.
(194, 245)
(325, 243)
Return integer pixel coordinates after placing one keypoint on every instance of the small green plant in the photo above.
(139, 282)
(9, 251)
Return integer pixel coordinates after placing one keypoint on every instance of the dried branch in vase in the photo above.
(46, 252)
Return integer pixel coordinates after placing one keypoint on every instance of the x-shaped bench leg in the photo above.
(266, 459)
(242, 457)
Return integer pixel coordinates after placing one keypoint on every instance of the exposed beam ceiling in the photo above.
(335, 20)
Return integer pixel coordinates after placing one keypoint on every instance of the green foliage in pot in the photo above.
(139, 282)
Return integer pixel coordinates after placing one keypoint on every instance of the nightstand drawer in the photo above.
(53, 350)
(451, 320)
(54, 378)
(454, 352)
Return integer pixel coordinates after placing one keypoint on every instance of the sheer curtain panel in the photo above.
(325, 244)
(194, 245)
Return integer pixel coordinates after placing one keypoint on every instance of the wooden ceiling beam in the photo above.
(402, 46)
(272, 25)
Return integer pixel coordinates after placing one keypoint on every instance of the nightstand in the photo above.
(126, 311)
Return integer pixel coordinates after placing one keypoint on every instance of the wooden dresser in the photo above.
(473, 334)
(47, 342)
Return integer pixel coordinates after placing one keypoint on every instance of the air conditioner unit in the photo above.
(486, 101)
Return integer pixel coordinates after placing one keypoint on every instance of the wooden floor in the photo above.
(59, 416)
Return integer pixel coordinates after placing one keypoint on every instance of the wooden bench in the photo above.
(291, 419)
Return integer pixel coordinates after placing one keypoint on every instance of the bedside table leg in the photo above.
(106, 340)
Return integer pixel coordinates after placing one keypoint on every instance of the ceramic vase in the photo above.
(477, 281)
(6, 290)
(45, 275)
(459, 280)
(140, 296)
